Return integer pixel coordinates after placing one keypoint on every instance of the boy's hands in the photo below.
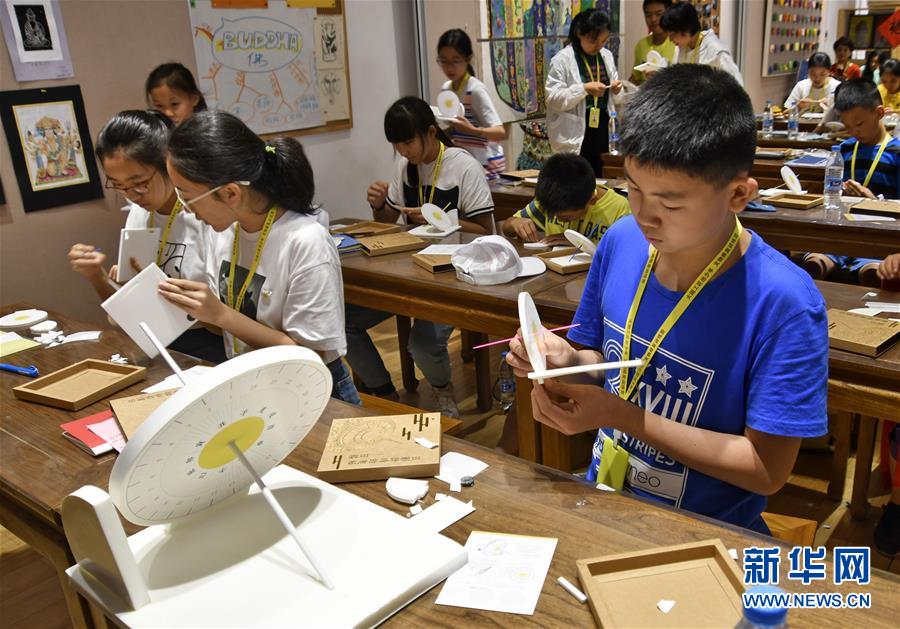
(583, 407)
(556, 349)
(521, 227)
(889, 269)
(376, 195)
(856, 189)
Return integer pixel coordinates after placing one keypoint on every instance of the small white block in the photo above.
(406, 490)
(733, 553)
(455, 486)
(665, 606)
(426, 443)
(439, 497)
(415, 509)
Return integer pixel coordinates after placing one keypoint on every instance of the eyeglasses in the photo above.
(450, 62)
(187, 203)
(139, 188)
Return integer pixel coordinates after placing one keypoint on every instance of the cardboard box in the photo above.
(877, 208)
(861, 334)
(703, 580)
(131, 411)
(367, 228)
(565, 261)
(376, 448)
(433, 263)
(517, 175)
(391, 243)
(796, 201)
(79, 385)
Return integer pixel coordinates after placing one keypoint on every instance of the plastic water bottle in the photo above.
(768, 121)
(507, 384)
(613, 134)
(834, 178)
(793, 124)
(764, 617)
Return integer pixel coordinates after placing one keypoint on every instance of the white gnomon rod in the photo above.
(567, 371)
(282, 516)
(163, 352)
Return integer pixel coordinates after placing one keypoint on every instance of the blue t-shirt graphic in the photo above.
(752, 349)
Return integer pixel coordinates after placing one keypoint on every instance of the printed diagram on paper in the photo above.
(259, 65)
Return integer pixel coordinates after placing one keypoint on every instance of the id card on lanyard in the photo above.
(593, 112)
(614, 458)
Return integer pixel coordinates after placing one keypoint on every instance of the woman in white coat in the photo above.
(579, 89)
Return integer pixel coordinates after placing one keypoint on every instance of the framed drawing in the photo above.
(50, 145)
(860, 30)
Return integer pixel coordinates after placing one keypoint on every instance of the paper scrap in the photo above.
(884, 306)
(337, 240)
(604, 487)
(455, 465)
(416, 509)
(439, 497)
(665, 606)
(426, 443)
(110, 432)
(91, 335)
(733, 553)
(442, 514)
(10, 343)
(870, 294)
(455, 486)
(174, 382)
(505, 573)
(440, 250)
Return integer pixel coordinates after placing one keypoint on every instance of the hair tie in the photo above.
(270, 149)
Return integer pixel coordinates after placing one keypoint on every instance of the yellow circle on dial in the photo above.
(243, 433)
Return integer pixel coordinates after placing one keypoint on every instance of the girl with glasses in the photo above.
(131, 149)
(480, 130)
(274, 270)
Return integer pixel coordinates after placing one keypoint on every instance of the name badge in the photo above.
(594, 117)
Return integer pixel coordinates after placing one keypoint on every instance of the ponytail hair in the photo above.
(411, 117)
(138, 135)
(459, 40)
(587, 23)
(215, 148)
(176, 77)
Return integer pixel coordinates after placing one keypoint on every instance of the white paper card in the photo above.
(92, 335)
(455, 465)
(505, 573)
(665, 606)
(140, 243)
(174, 382)
(442, 514)
(110, 432)
(440, 250)
(883, 306)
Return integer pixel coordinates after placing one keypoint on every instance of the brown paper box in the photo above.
(76, 386)
(131, 411)
(877, 208)
(861, 334)
(703, 580)
(391, 243)
(433, 263)
(521, 174)
(376, 448)
(367, 228)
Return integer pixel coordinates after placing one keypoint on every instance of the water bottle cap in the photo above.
(612, 114)
(765, 616)
(836, 147)
(503, 354)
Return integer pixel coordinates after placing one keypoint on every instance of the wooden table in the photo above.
(780, 140)
(39, 468)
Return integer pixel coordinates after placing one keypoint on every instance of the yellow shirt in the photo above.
(645, 45)
(604, 212)
(889, 100)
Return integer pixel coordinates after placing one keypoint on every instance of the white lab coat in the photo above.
(565, 98)
(712, 53)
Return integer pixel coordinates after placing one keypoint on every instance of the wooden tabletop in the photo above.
(511, 496)
(780, 140)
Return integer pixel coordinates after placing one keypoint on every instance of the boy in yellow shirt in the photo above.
(657, 40)
(567, 197)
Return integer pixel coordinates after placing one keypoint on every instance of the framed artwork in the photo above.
(860, 30)
(36, 39)
(50, 145)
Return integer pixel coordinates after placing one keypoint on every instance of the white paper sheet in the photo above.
(505, 573)
(867, 218)
(110, 432)
(92, 335)
(174, 382)
(442, 514)
(440, 250)
(455, 465)
(883, 306)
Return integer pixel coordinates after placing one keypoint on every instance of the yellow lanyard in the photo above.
(625, 391)
(462, 85)
(884, 143)
(815, 106)
(236, 303)
(696, 55)
(591, 74)
(165, 235)
(434, 178)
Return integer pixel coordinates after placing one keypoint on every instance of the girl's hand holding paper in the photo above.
(195, 298)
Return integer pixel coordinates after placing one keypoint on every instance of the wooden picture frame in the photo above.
(50, 145)
(860, 29)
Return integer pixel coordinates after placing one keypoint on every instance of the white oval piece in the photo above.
(406, 490)
(436, 217)
(580, 241)
(44, 326)
(22, 319)
(791, 180)
(448, 104)
(532, 330)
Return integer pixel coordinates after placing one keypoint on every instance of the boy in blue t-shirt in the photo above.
(871, 168)
(714, 420)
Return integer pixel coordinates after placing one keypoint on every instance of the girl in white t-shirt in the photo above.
(816, 93)
(273, 272)
(480, 130)
(430, 170)
(131, 148)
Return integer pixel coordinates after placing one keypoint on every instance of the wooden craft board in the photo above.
(861, 334)
(131, 411)
(705, 583)
(796, 201)
(367, 228)
(375, 448)
(79, 385)
(521, 174)
(433, 263)
(877, 208)
(391, 243)
(563, 262)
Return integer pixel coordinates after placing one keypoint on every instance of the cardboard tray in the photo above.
(433, 263)
(367, 228)
(517, 175)
(796, 201)
(577, 265)
(765, 152)
(705, 583)
(81, 384)
(877, 208)
(391, 243)
(860, 334)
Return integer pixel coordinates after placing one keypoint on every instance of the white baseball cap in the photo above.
(491, 260)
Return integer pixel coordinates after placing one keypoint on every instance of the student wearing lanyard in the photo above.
(131, 148)
(871, 168)
(733, 337)
(816, 93)
(430, 169)
(577, 90)
(682, 24)
(274, 270)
